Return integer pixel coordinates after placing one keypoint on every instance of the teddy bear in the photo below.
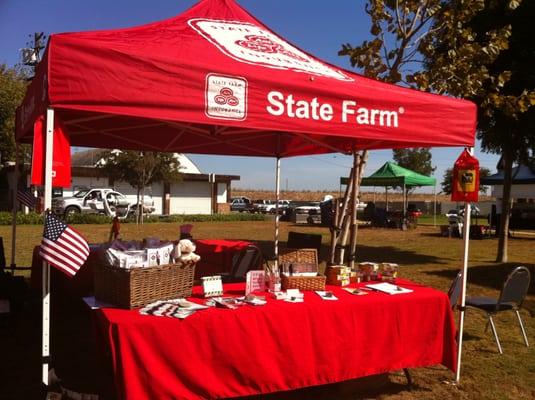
(184, 252)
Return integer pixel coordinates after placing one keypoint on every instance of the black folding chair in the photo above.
(511, 297)
(248, 259)
(299, 240)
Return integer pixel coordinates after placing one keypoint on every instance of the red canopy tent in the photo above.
(215, 80)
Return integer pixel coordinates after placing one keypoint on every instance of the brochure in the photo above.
(326, 295)
(355, 291)
(389, 288)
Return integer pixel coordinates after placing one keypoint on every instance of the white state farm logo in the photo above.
(226, 97)
(251, 44)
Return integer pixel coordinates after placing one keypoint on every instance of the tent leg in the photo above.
(466, 243)
(46, 267)
(435, 205)
(404, 212)
(13, 264)
(277, 216)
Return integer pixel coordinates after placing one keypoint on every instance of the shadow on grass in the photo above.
(364, 253)
(492, 276)
(369, 387)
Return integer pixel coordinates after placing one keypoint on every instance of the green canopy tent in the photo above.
(391, 174)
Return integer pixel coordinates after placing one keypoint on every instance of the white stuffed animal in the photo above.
(185, 252)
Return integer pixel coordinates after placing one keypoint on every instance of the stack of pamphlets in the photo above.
(178, 308)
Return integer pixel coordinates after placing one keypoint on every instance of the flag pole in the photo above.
(13, 265)
(46, 266)
(466, 242)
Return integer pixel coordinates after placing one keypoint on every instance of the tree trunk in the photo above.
(137, 208)
(506, 205)
(142, 205)
(354, 205)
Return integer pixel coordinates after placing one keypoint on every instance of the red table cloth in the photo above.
(218, 353)
(216, 255)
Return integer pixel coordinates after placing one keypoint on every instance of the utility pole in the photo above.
(31, 55)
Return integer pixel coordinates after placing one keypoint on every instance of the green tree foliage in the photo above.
(447, 180)
(140, 169)
(397, 28)
(482, 50)
(12, 88)
(418, 160)
(393, 52)
(485, 51)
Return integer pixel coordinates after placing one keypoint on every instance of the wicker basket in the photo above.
(299, 256)
(137, 287)
(303, 282)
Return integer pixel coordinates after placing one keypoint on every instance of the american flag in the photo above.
(26, 197)
(62, 246)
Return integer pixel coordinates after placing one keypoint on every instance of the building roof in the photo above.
(90, 158)
(86, 158)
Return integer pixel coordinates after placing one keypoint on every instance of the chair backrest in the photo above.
(299, 240)
(515, 287)
(249, 258)
(455, 289)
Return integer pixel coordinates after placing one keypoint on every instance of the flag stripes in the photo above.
(62, 246)
(26, 197)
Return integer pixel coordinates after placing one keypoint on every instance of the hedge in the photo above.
(37, 219)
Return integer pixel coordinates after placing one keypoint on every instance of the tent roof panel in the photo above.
(522, 174)
(391, 174)
(217, 68)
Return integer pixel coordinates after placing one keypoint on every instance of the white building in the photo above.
(194, 194)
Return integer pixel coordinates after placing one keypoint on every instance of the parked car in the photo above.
(97, 201)
(259, 206)
(283, 205)
(474, 212)
(310, 208)
(148, 206)
(240, 204)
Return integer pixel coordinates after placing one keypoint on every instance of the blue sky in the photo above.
(317, 27)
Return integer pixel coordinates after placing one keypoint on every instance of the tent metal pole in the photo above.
(46, 267)
(404, 213)
(15, 204)
(466, 242)
(435, 205)
(386, 198)
(277, 216)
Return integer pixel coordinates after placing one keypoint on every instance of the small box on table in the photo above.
(339, 275)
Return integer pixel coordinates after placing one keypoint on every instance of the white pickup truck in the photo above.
(271, 208)
(98, 201)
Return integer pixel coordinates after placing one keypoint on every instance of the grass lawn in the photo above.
(424, 257)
